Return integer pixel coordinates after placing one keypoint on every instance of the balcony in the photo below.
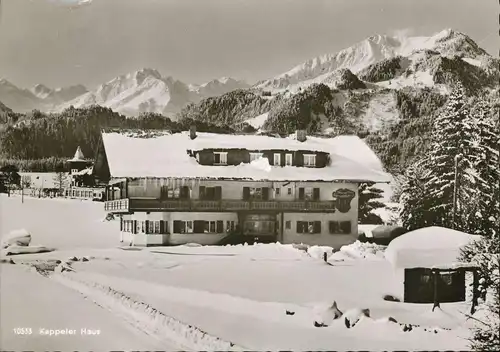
(144, 204)
(117, 206)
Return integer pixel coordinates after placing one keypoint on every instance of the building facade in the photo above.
(181, 188)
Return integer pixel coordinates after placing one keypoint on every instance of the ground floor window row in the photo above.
(219, 226)
(179, 226)
(314, 227)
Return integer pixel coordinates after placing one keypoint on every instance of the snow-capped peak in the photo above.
(146, 90)
(374, 49)
(41, 91)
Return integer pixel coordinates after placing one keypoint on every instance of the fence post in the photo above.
(436, 300)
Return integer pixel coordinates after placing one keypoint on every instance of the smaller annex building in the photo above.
(424, 256)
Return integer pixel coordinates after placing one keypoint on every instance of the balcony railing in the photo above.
(141, 204)
(117, 206)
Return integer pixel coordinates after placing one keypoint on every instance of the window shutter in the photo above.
(265, 193)
(177, 226)
(134, 230)
(331, 226)
(198, 226)
(146, 230)
(220, 226)
(218, 193)
(121, 224)
(301, 193)
(202, 192)
(299, 159)
(321, 159)
(316, 194)
(162, 226)
(299, 226)
(246, 193)
(317, 227)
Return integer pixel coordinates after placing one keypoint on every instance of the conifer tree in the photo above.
(483, 218)
(451, 139)
(368, 195)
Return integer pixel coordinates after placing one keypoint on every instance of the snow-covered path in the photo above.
(28, 300)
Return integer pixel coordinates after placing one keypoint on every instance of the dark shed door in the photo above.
(419, 286)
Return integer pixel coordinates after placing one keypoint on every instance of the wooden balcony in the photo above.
(144, 204)
(117, 206)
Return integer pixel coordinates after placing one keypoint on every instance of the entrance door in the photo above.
(260, 225)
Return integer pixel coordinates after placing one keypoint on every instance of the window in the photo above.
(288, 159)
(210, 227)
(230, 226)
(289, 191)
(151, 227)
(220, 158)
(310, 160)
(277, 191)
(255, 156)
(189, 226)
(277, 159)
(143, 226)
(210, 193)
(157, 227)
(175, 193)
(309, 227)
(308, 193)
(255, 193)
(340, 227)
(288, 224)
(181, 226)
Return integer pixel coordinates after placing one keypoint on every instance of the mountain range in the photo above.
(145, 90)
(376, 63)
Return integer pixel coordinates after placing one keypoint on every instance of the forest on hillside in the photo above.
(39, 141)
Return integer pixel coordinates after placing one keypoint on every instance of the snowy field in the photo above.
(203, 298)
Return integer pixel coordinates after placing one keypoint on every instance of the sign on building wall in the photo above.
(343, 198)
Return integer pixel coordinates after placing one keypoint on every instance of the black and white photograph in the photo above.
(249, 175)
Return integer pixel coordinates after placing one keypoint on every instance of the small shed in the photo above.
(427, 267)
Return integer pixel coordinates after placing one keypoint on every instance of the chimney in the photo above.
(301, 135)
(192, 132)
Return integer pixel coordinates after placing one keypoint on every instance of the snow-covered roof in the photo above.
(87, 171)
(166, 155)
(429, 247)
(78, 155)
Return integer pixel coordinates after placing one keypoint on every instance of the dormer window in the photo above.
(310, 160)
(255, 156)
(220, 158)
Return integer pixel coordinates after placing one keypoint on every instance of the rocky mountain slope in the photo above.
(370, 51)
(364, 82)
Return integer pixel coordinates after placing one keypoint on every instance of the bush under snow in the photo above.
(359, 250)
(20, 237)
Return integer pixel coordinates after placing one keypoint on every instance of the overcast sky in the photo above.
(198, 40)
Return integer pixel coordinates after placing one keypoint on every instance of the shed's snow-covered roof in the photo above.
(166, 155)
(429, 247)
